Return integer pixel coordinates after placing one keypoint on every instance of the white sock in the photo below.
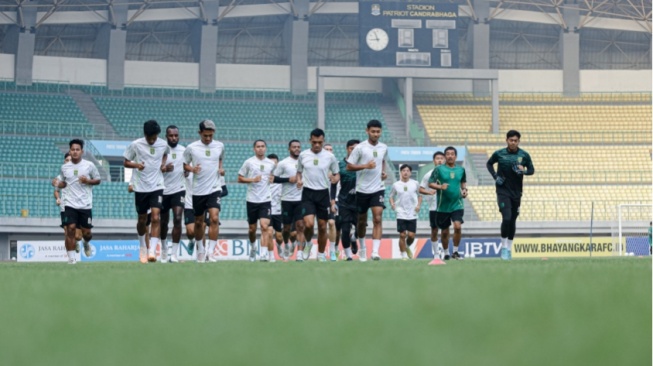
(175, 248)
(264, 251)
(361, 242)
(212, 244)
(271, 254)
(153, 243)
(504, 243)
(509, 241)
(455, 248)
(434, 247)
(404, 255)
(252, 247)
(348, 252)
(141, 241)
(200, 247)
(332, 246)
(71, 254)
(376, 244)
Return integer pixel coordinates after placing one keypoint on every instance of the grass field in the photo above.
(472, 312)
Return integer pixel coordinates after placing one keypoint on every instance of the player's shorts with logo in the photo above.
(173, 200)
(189, 217)
(257, 211)
(366, 200)
(316, 202)
(202, 203)
(81, 218)
(148, 200)
(291, 212)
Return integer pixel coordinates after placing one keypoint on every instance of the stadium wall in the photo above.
(231, 76)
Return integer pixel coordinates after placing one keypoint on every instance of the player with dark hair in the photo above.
(173, 194)
(313, 169)
(78, 176)
(513, 164)
(451, 182)
(347, 212)
(406, 205)
(432, 199)
(291, 197)
(148, 156)
(59, 195)
(368, 161)
(256, 172)
(204, 159)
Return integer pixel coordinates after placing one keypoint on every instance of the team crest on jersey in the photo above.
(452, 175)
(375, 153)
(174, 155)
(315, 161)
(262, 167)
(151, 151)
(207, 152)
(405, 189)
(75, 172)
(519, 159)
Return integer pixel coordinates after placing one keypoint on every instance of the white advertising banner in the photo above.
(42, 251)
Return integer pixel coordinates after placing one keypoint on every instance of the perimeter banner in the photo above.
(562, 247)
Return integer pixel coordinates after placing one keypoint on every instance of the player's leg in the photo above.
(155, 233)
(332, 235)
(444, 222)
(411, 229)
(457, 219)
(345, 227)
(189, 220)
(505, 207)
(322, 237)
(301, 238)
(377, 231)
(214, 232)
(309, 210)
(363, 205)
(513, 225)
(70, 220)
(141, 229)
(402, 238)
(434, 234)
(309, 230)
(163, 226)
(264, 224)
(177, 212)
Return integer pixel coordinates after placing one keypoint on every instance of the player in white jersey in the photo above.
(406, 201)
(256, 172)
(313, 168)
(291, 201)
(189, 216)
(59, 199)
(78, 178)
(368, 161)
(204, 159)
(331, 224)
(148, 155)
(173, 195)
(276, 227)
(432, 200)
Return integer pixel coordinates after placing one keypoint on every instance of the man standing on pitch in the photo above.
(173, 194)
(451, 182)
(147, 156)
(204, 159)
(432, 199)
(513, 164)
(78, 176)
(347, 213)
(405, 200)
(291, 200)
(368, 161)
(313, 168)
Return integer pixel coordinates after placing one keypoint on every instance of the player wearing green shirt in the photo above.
(513, 164)
(451, 182)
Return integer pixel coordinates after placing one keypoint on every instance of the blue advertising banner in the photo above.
(110, 148)
(112, 250)
(408, 34)
(638, 245)
(469, 248)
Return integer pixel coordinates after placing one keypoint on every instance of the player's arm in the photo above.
(463, 184)
(59, 182)
(393, 192)
(434, 182)
(425, 191)
(242, 175)
(56, 196)
(419, 203)
(490, 165)
(220, 168)
(94, 178)
(530, 169)
(129, 156)
(353, 162)
(384, 176)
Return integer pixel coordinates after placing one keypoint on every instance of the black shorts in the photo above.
(148, 200)
(316, 202)
(257, 211)
(366, 200)
(291, 212)
(276, 223)
(81, 218)
(433, 219)
(202, 203)
(444, 219)
(62, 216)
(406, 225)
(189, 217)
(346, 216)
(332, 216)
(508, 206)
(173, 200)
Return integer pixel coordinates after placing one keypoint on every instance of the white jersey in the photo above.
(405, 195)
(431, 199)
(315, 168)
(150, 179)
(255, 167)
(174, 180)
(78, 195)
(275, 190)
(208, 157)
(285, 169)
(369, 180)
(188, 198)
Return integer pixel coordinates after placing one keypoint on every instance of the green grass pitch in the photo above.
(472, 312)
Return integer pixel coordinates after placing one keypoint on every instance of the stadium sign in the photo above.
(42, 251)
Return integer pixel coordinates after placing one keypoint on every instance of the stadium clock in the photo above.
(377, 39)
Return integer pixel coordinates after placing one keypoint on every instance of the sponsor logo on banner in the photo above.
(42, 251)
(562, 247)
(113, 251)
(469, 248)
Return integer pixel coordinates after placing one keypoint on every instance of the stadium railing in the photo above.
(47, 128)
(549, 138)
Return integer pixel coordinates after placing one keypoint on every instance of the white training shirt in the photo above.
(275, 191)
(78, 195)
(285, 169)
(431, 199)
(252, 168)
(315, 168)
(369, 180)
(188, 198)
(150, 179)
(174, 180)
(208, 158)
(405, 195)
